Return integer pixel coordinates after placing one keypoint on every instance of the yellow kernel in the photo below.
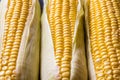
(15, 49)
(2, 73)
(100, 74)
(6, 54)
(58, 60)
(116, 76)
(65, 62)
(11, 67)
(4, 62)
(65, 65)
(4, 68)
(14, 53)
(65, 74)
(13, 56)
(65, 69)
(5, 57)
(7, 77)
(66, 59)
(12, 60)
(109, 71)
(8, 72)
(109, 77)
(11, 63)
(116, 71)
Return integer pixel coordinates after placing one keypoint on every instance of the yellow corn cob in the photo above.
(14, 24)
(16, 17)
(104, 22)
(62, 16)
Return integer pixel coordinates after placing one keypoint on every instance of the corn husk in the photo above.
(49, 69)
(91, 71)
(27, 64)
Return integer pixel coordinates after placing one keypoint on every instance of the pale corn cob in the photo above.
(61, 16)
(104, 23)
(16, 21)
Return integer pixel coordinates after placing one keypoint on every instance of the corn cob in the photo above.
(104, 32)
(16, 22)
(61, 16)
